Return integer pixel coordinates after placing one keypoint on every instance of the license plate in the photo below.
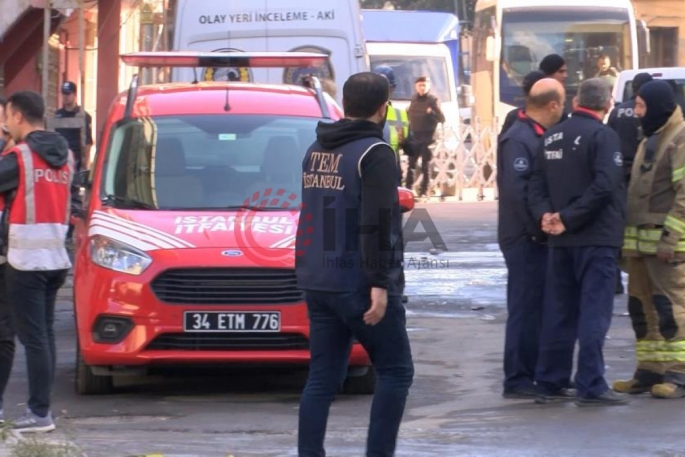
(216, 321)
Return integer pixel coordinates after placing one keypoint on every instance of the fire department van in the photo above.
(185, 246)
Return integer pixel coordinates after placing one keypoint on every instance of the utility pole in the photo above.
(82, 52)
(47, 22)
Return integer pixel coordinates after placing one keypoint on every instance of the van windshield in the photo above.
(204, 162)
(408, 68)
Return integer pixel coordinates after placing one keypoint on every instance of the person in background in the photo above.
(554, 66)
(626, 123)
(528, 81)
(605, 70)
(70, 122)
(577, 194)
(520, 238)
(396, 128)
(424, 116)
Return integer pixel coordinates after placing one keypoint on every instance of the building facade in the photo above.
(666, 22)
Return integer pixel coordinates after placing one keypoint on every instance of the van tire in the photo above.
(89, 384)
(361, 385)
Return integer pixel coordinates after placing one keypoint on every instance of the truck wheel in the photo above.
(361, 385)
(89, 384)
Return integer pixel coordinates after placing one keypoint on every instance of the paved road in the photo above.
(456, 316)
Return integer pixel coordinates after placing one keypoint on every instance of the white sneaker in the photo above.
(31, 423)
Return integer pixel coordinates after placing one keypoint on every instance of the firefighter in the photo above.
(396, 129)
(655, 246)
(35, 181)
(577, 194)
(351, 272)
(626, 123)
(521, 240)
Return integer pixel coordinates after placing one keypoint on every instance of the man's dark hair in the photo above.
(543, 99)
(3, 102)
(364, 93)
(30, 104)
(530, 79)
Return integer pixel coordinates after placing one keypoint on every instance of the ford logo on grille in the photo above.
(232, 253)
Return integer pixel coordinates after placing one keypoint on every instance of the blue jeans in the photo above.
(334, 319)
(580, 307)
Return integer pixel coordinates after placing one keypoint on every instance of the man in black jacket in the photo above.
(528, 81)
(424, 116)
(577, 193)
(520, 237)
(349, 263)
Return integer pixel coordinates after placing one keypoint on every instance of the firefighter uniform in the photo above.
(579, 175)
(656, 223)
(525, 253)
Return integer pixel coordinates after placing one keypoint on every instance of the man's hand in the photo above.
(552, 224)
(379, 303)
(429, 110)
(665, 255)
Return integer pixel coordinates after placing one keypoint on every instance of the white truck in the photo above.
(623, 88)
(331, 27)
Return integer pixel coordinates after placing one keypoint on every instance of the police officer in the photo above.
(348, 262)
(74, 124)
(528, 81)
(520, 237)
(34, 225)
(396, 129)
(626, 123)
(577, 194)
(655, 248)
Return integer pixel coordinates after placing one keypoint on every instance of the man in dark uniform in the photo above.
(70, 122)
(528, 81)
(424, 116)
(626, 123)
(349, 263)
(521, 240)
(577, 192)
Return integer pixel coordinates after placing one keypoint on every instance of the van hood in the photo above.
(168, 230)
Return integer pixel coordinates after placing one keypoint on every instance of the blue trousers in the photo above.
(581, 281)
(334, 319)
(526, 264)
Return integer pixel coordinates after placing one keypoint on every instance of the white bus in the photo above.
(511, 37)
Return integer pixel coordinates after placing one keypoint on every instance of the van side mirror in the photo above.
(407, 200)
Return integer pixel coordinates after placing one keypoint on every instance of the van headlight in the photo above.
(118, 256)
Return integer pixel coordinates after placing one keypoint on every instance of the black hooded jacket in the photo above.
(379, 181)
(661, 102)
(50, 146)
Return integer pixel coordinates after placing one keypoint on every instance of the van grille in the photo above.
(227, 286)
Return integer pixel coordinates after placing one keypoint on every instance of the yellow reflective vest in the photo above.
(656, 193)
(397, 121)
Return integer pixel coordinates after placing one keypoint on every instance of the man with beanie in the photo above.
(655, 246)
(626, 123)
(577, 195)
(528, 81)
(554, 66)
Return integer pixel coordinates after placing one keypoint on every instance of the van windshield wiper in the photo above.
(124, 202)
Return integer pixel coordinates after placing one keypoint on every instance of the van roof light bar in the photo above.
(189, 59)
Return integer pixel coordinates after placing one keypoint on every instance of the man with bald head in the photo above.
(577, 197)
(520, 238)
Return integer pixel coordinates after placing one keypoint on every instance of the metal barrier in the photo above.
(464, 157)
